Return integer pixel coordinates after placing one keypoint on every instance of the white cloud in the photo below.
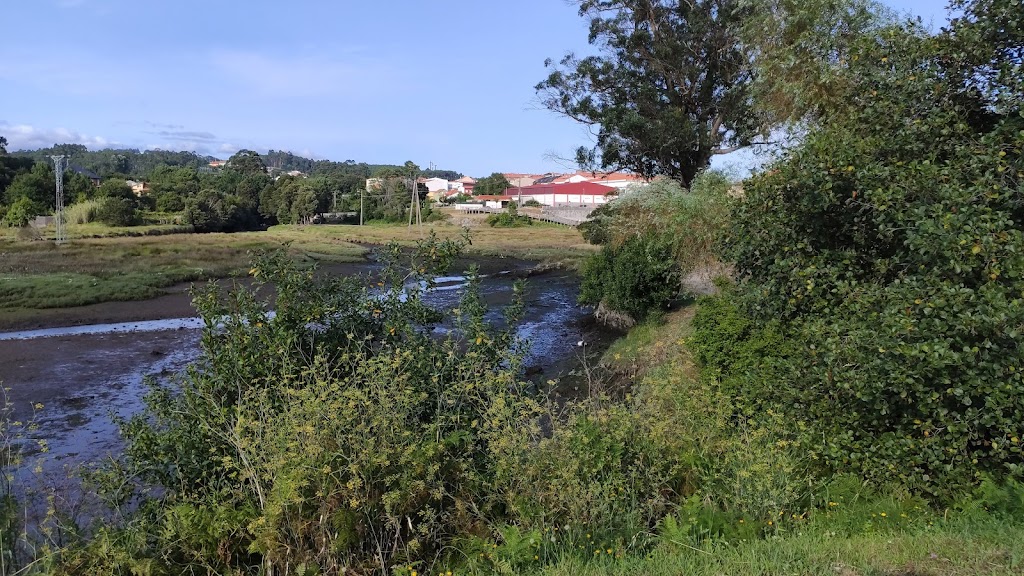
(302, 76)
(27, 137)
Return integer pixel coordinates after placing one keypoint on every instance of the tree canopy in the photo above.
(670, 88)
(886, 250)
(676, 82)
(495, 184)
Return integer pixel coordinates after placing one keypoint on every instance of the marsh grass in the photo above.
(37, 274)
(542, 241)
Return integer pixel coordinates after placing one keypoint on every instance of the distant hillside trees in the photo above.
(249, 192)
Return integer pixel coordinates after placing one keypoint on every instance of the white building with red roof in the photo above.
(575, 194)
(614, 179)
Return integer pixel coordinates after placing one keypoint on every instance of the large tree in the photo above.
(676, 82)
(247, 162)
(495, 184)
(670, 87)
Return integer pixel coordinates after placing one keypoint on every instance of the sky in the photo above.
(444, 82)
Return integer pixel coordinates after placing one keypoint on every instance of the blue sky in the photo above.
(447, 81)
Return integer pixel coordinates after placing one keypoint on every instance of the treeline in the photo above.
(128, 163)
(250, 192)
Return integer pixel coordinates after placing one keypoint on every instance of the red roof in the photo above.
(598, 177)
(588, 188)
(493, 197)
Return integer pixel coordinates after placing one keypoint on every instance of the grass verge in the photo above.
(963, 549)
(855, 531)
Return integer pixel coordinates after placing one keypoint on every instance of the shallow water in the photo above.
(86, 375)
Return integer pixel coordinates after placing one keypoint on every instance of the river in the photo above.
(86, 375)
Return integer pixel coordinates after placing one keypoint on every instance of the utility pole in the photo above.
(61, 235)
(361, 194)
(414, 201)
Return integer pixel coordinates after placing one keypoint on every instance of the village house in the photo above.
(92, 176)
(464, 185)
(138, 188)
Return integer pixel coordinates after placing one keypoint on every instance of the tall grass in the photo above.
(83, 212)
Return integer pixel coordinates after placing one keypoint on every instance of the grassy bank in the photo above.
(103, 264)
(540, 241)
(964, 549)
(854, 531)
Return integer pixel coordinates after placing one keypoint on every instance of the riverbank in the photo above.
(122, 279)
(82, 376)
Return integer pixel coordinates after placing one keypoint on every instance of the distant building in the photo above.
(613, 179)
(218, 163)
(574, 194)
(519, 180)
(92, 176)
(464, 185)
(138, 188)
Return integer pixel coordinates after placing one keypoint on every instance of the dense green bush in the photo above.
(336, 433)
(214, 211)
(21, 212)
(510, 218)
(116, 211)
(890, 245)
(651, 239)
(637, 277)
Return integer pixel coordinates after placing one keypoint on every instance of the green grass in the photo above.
(104, 264)
(657, 344)
(38, 274)
(853, 531)
(990, 547)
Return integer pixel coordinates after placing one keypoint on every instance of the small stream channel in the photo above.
(85, 375)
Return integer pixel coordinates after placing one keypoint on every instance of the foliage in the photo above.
(637, 277)
(799, 49)
(128, 163)
(15, 441)
(494, 185)
(669, 88)
(398, 461)
(246, 162)
(82, 212)
(214, 211)
(889, 244)
(115, 188)
(651, 238)
(691, 221)
(510, 218)
(36, 185)
(116, 211)
(21, 212)
(10, 167)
